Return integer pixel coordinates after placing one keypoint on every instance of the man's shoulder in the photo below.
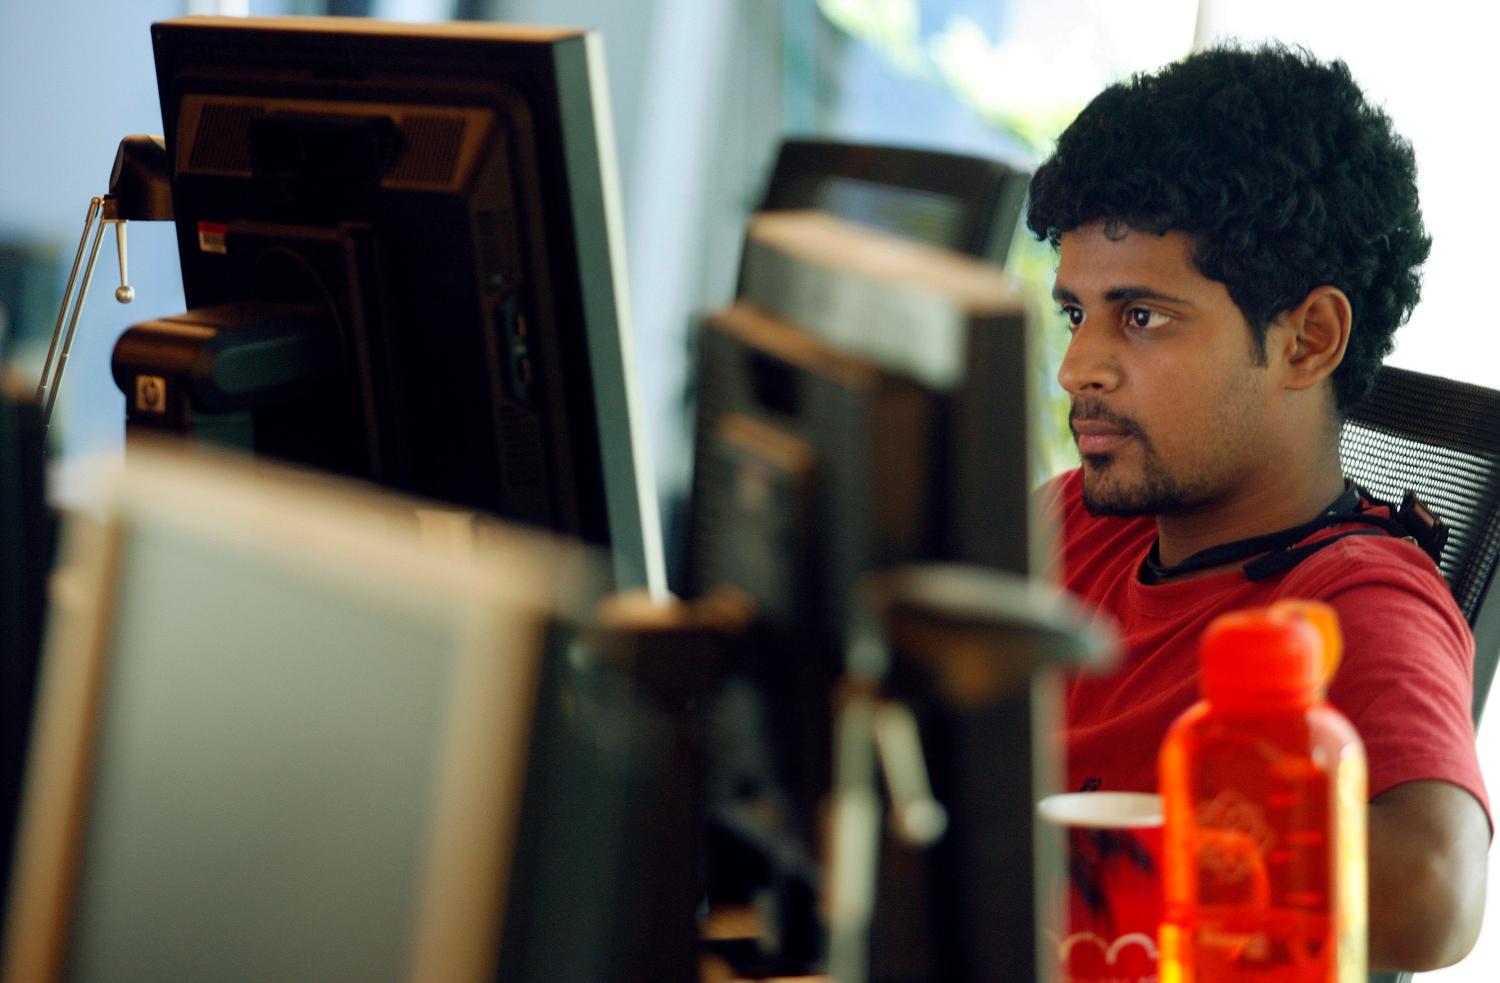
(1368, 556)
(1385, 589)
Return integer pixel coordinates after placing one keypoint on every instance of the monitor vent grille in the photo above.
(524, 469)
(222, 142)
(430, 149)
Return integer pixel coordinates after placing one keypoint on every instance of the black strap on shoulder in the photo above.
(1279, 552)
(1422, 525)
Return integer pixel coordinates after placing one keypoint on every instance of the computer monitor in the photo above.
(26, 534)
(282, 733)
(863, 405)
(953, 201)
(402, 248)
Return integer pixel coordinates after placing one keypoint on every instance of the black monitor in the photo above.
(862, 406)
(401, 248)
(954, 201)
(26, 534)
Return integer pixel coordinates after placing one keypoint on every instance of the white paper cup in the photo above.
(1106, 910)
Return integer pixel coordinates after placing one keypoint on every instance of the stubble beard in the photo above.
(1109, 492)
(1156, 492)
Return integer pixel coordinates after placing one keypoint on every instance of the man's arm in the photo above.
(1428, 846)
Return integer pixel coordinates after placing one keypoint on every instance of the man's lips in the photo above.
(1098, 437)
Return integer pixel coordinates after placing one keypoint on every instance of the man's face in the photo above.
(1171, 402)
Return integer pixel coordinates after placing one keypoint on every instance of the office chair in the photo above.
(1441, 439)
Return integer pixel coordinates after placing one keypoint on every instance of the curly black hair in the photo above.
(1275, 164)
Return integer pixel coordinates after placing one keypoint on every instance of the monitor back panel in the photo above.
(280, 739)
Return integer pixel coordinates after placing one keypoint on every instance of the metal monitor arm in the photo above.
(139, 190)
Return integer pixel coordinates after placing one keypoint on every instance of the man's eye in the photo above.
(1145, 318)
(1073, 315)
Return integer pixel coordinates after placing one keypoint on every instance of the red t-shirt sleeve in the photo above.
(1406, 678)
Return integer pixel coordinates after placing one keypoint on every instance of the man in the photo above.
(1238, 239)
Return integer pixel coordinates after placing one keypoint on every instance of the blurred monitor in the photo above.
(29, 282)
(282, 735)
(26, 533)
(402, 248)
(862, 405)
(954, 201)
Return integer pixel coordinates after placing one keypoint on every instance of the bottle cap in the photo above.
(1287, 651)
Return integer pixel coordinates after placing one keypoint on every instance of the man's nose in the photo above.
(1090, 364)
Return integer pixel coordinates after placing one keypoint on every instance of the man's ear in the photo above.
(1316, 337)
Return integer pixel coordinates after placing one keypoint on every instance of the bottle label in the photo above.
(1270, 877)
(1234, 839)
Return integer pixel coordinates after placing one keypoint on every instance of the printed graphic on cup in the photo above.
(1112, 880)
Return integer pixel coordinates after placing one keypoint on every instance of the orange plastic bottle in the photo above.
(1263, 794)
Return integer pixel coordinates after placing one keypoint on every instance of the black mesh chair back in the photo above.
(1440, 439)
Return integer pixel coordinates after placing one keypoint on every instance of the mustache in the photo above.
(1094, 410)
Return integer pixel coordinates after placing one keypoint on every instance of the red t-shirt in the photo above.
(1405, 680)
